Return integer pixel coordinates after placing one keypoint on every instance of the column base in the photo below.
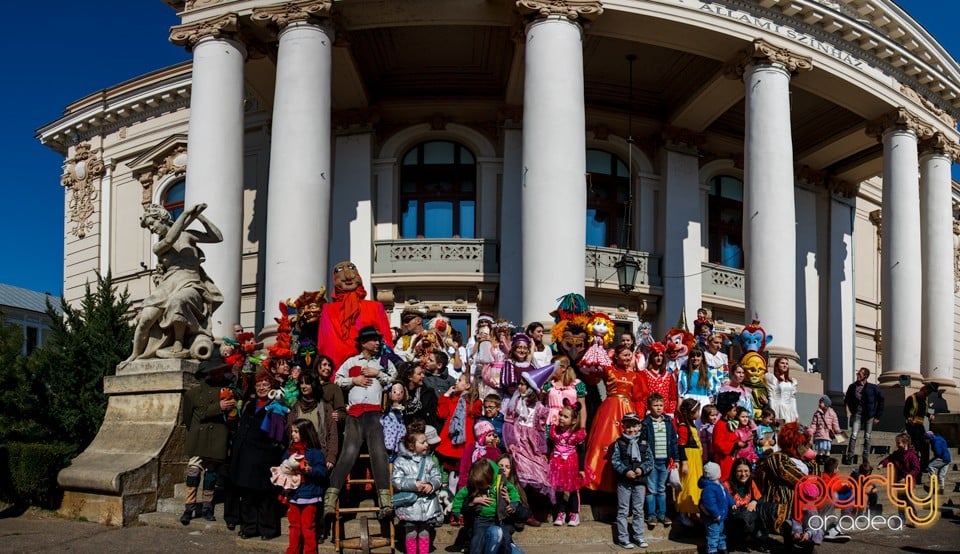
(892, 379)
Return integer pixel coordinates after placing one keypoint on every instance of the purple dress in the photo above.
(527, 443)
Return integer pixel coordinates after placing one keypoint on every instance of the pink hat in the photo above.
(481, 429)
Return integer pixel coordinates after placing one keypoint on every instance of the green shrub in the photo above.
(32, 469)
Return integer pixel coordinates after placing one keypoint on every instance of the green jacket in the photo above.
(490, 510)
(207, 432)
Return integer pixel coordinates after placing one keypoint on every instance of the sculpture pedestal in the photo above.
(137, 456)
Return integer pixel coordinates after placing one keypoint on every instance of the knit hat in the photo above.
(481, 429)
(431, 433)
(711, 471)
(826, 400)
(630, 418)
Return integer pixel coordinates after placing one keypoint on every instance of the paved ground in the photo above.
(38, 531)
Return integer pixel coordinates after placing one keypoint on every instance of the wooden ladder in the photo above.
(366, 542)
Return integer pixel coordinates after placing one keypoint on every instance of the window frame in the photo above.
(716, 227)
(422, 174)
(615, 231)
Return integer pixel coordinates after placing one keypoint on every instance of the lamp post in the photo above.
(627, 268)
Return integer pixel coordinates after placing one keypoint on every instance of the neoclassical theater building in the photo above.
(788, 159)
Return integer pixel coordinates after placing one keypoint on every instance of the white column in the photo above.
(554, 166)
(215, 170)
(936, 239)
(353, 197)
(769, 213)
(900, 274)
(511, 245)
(298, 200)
(683, 252)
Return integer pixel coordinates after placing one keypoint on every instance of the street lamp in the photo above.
(627, 268)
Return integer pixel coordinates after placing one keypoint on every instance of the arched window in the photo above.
(438, 192)
(725, 217)
(607, 187)
(172, 198)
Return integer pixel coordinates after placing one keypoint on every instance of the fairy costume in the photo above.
(526, 440)
(565, 460)
(558, 393)
(688, 499)
(625, 394)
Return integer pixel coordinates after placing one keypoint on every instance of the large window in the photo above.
(607, 186)
(438, 192)
(173, 198)
(725, 216)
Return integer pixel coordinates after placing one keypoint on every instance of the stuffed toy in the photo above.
(227, 393)
(595, 359)
(287, 474)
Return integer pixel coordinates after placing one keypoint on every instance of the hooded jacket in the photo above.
(405, 470)
(491, 510)
(715, 500)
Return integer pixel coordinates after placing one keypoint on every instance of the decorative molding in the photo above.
(899, 117)
(82, 170)
(194, 4)
(822, 179)
(928, 105)
(190, 34)
(291, 12)
(876, 217)
(571, 9)
(762, 52)
(939, 142)
(682, 137)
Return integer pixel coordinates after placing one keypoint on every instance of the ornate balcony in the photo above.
(600, 271)
(436, 256)
(722, 283)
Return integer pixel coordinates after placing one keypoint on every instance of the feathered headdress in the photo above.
(573, 311)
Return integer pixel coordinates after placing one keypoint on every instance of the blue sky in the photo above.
(61, 50)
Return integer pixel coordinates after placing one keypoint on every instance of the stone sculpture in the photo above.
(174, 321)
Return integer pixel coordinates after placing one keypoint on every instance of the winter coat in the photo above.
(405, 470)
(871, 399)
(648, 435)
(905, 462)
(622, 462)
(421, 404)
(823, 423)
(207, 431)
(254, 452)
(313, 484)
(715, 500)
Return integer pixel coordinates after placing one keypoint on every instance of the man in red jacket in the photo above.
(342, 318)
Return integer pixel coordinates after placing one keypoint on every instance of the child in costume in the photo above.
(458, 407)
(526, 438)
(708, 418)
(491, 356)
(516, 363)
(566, 465)
(564, 387)
(632, 461)
(392, 419)
(745, 434)
(694, 379)
(415, 471)
(688, 439)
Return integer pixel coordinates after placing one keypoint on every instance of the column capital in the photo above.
(680, 137)
(190, 34)
(941, 143)
(292, 12)
(762, 52)
(899, 117)
(823, 179)
(574, 10)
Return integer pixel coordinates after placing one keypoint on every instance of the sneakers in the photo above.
(665, 521)
(642, 543)
(651, 523)
(561, 519)
(573, 520)
(626, 545)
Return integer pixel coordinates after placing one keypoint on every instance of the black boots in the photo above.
(208, 511)
(190, 511)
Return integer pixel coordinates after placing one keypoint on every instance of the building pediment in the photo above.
(169, 157)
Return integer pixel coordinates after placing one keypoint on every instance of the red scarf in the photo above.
(350, 310)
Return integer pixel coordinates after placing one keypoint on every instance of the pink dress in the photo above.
(490, 359)
(748, 452)
(557, 393)
(528, 443)
(564, 461)
(595, 359)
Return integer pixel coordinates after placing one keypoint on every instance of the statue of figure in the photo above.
(174, 321)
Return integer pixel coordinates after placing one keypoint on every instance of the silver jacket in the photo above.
(405, 470)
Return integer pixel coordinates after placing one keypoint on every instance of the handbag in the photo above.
(403, 499)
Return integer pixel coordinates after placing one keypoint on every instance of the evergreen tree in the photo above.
(84, 345)
(20, 415)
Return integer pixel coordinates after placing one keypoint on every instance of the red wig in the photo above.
(790, 438)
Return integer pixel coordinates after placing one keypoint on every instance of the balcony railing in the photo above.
(726, 282)
(601, 272)
(436, 256)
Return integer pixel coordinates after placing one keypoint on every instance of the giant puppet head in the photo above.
(753, 337)
(569, 330)
(345, 277)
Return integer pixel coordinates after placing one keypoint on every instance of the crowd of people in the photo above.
(502, 431)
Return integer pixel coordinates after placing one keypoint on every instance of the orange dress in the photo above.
(625, 394)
